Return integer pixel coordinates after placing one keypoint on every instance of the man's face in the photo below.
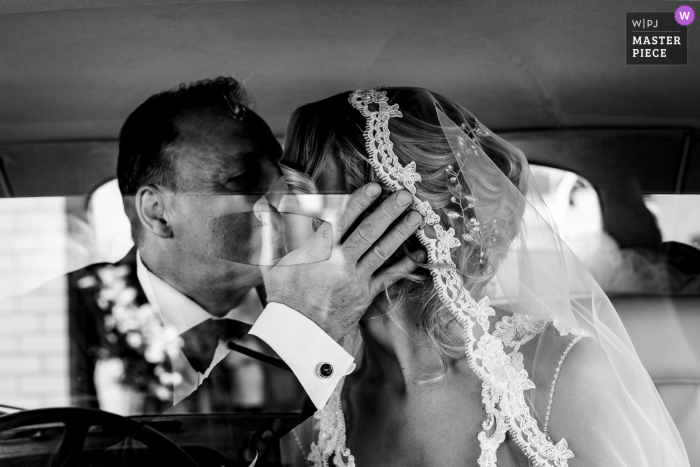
(224, 167)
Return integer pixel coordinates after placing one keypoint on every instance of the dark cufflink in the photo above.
(324, 370)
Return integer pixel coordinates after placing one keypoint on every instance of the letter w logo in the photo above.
(637, 23)
(685, 15)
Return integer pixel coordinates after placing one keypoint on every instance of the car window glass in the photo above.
(673, 267)
(43, 238)
(678, 217)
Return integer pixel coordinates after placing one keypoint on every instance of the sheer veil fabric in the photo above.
(562, 382)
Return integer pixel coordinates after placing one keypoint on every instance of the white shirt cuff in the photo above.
(303, 346)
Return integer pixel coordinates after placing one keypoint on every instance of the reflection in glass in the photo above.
(576, 209)
(33, 444)
(259, 239)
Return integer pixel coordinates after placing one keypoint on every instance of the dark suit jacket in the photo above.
(90, 341)
(207, 420)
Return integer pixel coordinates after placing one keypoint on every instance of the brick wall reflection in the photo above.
(34, 320)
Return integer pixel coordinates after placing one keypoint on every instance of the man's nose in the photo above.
(277, 192)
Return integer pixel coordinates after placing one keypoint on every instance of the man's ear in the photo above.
(151, 209)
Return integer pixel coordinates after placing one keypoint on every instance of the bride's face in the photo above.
(331, 195)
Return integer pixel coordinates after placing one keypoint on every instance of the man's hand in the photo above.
(258, 442)
(333, 283)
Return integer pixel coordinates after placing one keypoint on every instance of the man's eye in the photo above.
(244, 185)
(234, 181)
(237, 183)
(251, 181)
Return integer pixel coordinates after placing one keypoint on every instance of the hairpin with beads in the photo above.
(476, 131)
(472, 224)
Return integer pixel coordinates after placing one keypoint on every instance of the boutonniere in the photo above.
(134, 332)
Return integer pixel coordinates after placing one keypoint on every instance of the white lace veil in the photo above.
(541, 278)
(562, 382)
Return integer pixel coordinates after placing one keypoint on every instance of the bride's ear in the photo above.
(150, 203)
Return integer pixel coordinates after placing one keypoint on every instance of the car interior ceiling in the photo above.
(73, 74)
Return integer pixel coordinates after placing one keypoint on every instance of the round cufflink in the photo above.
(324, 370)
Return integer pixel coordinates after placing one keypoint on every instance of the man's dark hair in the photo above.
(152, 129)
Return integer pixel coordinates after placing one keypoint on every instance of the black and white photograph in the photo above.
(390, 233)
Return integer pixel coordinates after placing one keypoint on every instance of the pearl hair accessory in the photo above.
(466, 202)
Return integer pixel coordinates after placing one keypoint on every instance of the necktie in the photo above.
(200, 342)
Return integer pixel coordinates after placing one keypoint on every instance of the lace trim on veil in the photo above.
(503, 375)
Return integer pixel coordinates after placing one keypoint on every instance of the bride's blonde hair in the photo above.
(330, 131)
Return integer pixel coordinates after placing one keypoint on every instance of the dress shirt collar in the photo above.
(179, 312)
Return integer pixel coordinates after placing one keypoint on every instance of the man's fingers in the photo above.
(394, 273)
(249, 454)
(277, 426)
(374, 226)
(251, 451)
(343, 217)
(388, 244)
(256, 443)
